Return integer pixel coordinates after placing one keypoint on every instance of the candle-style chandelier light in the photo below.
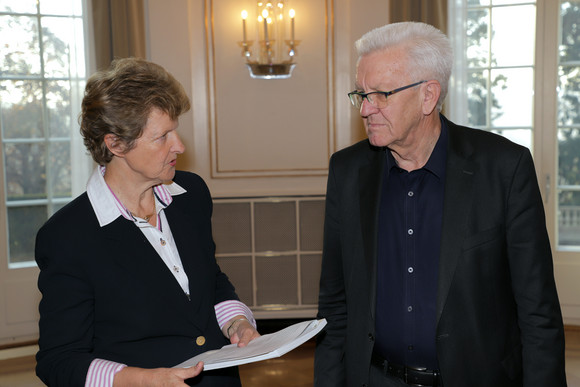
(275, 32)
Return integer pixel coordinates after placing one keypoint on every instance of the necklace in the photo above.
(145, 218)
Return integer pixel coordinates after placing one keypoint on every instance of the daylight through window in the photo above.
(42, 75)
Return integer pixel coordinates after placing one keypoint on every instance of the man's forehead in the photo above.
(380, 69)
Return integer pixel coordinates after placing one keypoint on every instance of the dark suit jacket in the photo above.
(107, 294)
(498, 315)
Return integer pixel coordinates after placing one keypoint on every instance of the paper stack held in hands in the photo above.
(264, 347)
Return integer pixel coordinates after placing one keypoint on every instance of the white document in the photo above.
(264, 347)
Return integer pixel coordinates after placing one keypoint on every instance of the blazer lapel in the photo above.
(135, 254)
(458, 200)
(370, 182)
(188, 245)
(195, 255)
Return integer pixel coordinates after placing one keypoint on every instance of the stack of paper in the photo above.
(264, 347)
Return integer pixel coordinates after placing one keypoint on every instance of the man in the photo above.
(437, 268)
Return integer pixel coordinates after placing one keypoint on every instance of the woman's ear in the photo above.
(432, 91)
(114, 144)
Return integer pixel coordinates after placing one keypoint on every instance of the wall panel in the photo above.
(271, 127)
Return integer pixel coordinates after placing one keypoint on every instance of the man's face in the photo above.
(392, 125)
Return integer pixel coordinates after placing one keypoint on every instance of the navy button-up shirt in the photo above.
(410, 218)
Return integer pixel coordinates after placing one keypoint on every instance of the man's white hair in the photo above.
(429, 51)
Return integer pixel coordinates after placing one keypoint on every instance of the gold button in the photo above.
(200, 340)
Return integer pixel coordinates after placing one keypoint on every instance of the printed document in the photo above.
(264, 347)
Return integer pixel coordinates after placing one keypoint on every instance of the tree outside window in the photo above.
(569, 125)
(42, 72)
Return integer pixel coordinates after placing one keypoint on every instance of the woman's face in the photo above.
(154, 155)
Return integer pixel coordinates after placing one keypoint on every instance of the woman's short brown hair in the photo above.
(118, 101)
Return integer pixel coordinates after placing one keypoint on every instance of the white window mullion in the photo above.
(456, 104)
(58, 29)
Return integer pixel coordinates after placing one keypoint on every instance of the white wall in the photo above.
(253, 137)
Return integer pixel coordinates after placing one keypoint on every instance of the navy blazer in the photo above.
(107, 294)
(499, 322)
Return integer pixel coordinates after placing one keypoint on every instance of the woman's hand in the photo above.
(240, 331)
(156, 377)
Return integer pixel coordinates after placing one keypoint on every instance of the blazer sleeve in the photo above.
(329, 355)
(66, 311)
(532, 273)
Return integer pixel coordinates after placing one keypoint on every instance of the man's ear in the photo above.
(432, 91)
(114, 144)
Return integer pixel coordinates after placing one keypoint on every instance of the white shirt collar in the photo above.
(108, 208)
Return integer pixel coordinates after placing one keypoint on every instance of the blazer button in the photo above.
(371, 337)
(200, 340)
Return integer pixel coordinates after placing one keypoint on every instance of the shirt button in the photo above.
(409, 309)
(410, 231)
(410, 193)
(410, 270)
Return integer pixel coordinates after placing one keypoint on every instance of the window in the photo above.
(497, 75)
(42, 75)
(494, 86)
(568, 121)
(517, 73)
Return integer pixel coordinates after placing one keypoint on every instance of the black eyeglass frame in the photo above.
(385, 93)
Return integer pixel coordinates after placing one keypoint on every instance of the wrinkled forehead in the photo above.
(381, 69)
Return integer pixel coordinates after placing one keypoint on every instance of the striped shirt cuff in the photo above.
(102, 372)
(225, 311)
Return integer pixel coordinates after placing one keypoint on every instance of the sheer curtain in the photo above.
(119, 30)
(433, 12)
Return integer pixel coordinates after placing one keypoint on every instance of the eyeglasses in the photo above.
(376, 98)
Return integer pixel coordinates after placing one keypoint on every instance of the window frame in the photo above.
(80, 162)
(544, 133)
(19, 296)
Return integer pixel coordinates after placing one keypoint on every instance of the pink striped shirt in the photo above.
(225, 311)
(107, 206)
(102, 372)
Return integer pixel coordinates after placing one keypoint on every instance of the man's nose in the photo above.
(367, 108)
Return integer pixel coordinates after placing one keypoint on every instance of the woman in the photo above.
(130, 286)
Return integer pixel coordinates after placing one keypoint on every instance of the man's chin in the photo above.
(378, 142)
